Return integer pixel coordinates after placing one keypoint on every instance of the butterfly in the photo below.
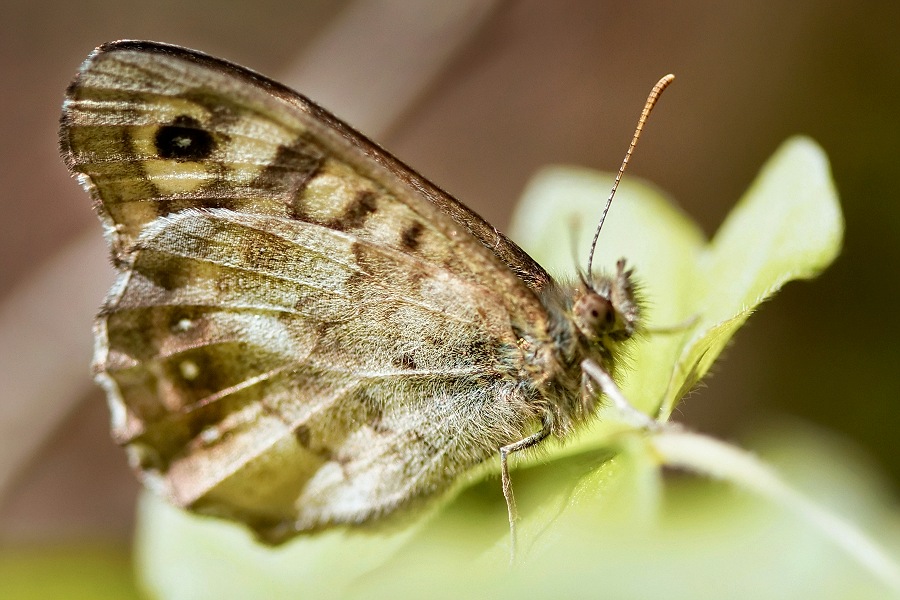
(305, 332)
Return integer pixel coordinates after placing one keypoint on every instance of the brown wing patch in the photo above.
(412, 236)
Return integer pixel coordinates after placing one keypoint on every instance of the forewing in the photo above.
(154, 128)
(300, 333)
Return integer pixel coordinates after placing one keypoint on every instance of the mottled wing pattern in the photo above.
(303, 331)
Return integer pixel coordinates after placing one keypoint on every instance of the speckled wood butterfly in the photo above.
(304, 331)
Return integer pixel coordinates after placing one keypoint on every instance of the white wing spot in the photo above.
(189, 369)
(210, 436)
(184, 325)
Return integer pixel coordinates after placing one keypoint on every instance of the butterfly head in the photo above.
(606, 308)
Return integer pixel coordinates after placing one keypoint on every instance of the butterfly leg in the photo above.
(505, 451)
(612, 391)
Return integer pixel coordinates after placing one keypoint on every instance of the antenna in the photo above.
(648, 106)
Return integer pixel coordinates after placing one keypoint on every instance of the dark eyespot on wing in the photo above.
(184, 139)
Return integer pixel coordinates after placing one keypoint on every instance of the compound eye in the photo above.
(600, 313)
(594, 315)
(603, 313)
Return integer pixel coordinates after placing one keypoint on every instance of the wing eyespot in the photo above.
(184, 139)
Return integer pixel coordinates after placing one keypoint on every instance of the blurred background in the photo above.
(476, 96)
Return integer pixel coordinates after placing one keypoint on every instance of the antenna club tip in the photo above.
(648, 106)
(665, 81)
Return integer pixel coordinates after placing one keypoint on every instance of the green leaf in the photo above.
(788, 226)
(95, 572)
(596, 517)
(184, 556)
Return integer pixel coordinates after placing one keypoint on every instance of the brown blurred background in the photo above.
(522, 84)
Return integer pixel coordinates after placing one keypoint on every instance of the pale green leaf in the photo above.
(75, 572)
(788, 226)
(596, 520)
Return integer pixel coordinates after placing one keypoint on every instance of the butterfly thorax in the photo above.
(594, 319)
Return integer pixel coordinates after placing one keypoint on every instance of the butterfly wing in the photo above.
(303, 331)
(255, 145)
